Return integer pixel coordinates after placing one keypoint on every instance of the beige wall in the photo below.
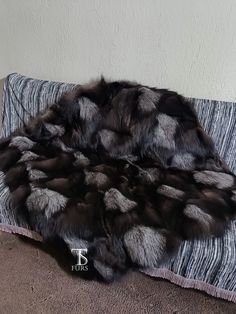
(185, 45)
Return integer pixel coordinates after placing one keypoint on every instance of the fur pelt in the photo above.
(122, 169)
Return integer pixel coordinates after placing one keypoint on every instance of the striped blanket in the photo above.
(207, 265)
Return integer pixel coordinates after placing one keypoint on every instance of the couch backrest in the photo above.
(24, 97)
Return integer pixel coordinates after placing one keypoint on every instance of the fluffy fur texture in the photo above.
(124, 170)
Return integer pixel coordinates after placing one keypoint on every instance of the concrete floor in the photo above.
(33, 282)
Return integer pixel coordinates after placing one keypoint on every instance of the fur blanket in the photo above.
(122, 170)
